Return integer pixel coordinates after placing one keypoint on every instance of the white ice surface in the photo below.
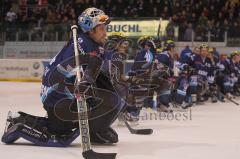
(213, 132)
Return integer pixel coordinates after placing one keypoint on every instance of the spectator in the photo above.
(188, 33)
(11, 16)
(170, 30)
(199, 33)
(199, 13)
(202, 20)
(182, 28)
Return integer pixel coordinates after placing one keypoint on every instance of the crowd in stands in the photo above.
(202, 16)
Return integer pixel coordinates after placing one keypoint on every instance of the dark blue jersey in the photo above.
(228, 67)
(108, 55)
(185, 54)
(190, 59)
(238, 67)
(203, 66)
(143, 60)
(62, 68)
(114, 58)
(165, 59)
(216, 57)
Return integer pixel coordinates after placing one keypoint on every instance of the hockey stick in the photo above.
(121, 117)
(159, 28)
(138, 131)
(87, 153)
(231, 100)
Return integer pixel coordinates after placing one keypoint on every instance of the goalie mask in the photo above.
(92, 17)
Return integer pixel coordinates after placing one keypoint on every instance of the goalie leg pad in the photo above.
(34, 130)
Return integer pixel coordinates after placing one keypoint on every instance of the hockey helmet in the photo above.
(234, 53)
(204, 46)
(210, 50)
(92, 17)
(117, 37)
(169, 44)
(146, 40)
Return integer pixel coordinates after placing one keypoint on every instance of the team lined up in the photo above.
(193, 78)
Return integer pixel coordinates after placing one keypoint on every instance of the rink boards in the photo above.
(33, 69)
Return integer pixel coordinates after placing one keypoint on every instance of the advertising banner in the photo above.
(137, 28)
(22, 70)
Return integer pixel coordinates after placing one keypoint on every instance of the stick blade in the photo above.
(144, 131)
(138, 131)
(90, 154)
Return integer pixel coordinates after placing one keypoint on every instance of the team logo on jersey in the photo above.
(148, 56)
(80, 40)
